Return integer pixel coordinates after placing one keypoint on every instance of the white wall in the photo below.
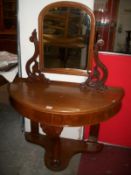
(28, 21)
(123, 24)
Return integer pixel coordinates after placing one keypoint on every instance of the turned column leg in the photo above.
(92, 142)
(53, 154)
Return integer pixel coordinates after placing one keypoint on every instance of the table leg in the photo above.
(92, 142)
(53, 154)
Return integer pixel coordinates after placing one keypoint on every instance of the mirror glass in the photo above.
(66, 37)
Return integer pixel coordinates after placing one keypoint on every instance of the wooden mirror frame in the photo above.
(71, 71)
(97, 74)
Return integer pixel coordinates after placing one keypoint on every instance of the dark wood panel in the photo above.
(8, 42)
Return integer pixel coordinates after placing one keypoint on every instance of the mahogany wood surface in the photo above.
(61, 104)
(55, 105)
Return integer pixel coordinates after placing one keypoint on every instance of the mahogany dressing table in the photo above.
(54, 104)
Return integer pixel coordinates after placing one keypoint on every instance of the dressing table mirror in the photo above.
(52, 105)
(66, 36)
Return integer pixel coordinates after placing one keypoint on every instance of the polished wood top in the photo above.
(64, 103)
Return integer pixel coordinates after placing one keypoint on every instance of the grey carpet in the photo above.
(18, 157)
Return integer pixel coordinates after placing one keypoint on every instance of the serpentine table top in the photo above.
(63, 104)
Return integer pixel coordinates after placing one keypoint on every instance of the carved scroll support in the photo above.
(32, 65)
(98, 76)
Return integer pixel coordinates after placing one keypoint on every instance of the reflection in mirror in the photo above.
(66, 35)
(113, 24)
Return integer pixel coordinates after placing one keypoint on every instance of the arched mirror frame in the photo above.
(89, 58)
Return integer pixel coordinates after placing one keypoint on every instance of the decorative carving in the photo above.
(32, 67)
(98, 76)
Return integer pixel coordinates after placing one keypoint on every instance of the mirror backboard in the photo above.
(66, 38)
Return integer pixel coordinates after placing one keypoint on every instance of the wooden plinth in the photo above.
(59, 152)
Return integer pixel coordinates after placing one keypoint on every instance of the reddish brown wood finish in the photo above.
(54, 105)
(63, 104)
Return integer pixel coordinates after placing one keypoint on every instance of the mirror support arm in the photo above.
(32, 68)
(99, 75)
